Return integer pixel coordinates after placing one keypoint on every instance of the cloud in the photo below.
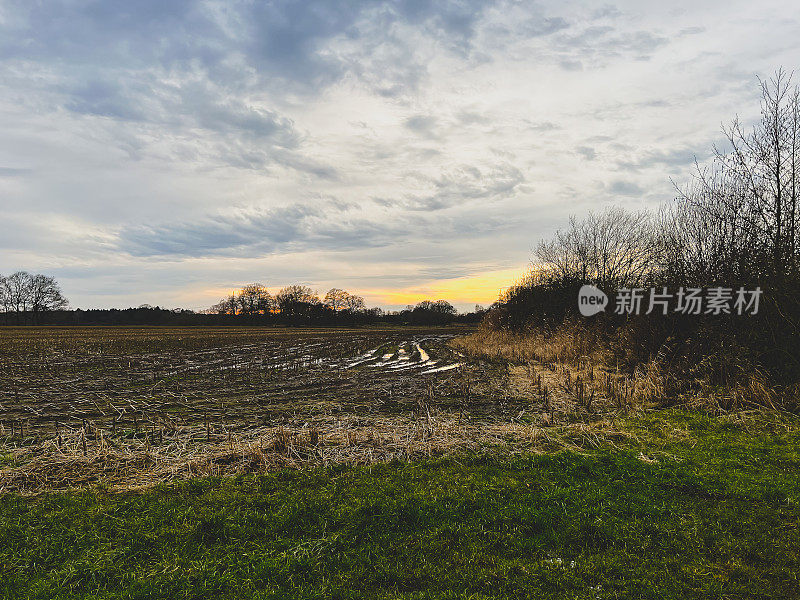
(423, 125)
(172, 145)
(13, 171)
(602, 41)
(586, 152)
(625, 188)
(464, 184)
(222, 234)
(166, 76)
(327, 224)
(676, 157)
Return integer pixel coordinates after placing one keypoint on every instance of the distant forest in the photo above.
(27, 299)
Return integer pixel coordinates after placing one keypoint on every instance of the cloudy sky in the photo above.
(166, 152)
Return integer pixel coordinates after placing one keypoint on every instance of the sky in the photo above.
(168, 152)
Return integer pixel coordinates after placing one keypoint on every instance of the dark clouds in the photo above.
(281, 39)
(223, 234)
(327, 225)
(216, 71)
(256, 233)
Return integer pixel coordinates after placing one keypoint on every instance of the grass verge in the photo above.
(689, 506)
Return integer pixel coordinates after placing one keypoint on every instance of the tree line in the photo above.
(299, 304)
(25, 297)
(301, 300)
(734, 226)
(292, 300)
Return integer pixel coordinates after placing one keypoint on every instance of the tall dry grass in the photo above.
(567, 344)
(720, 382)
(73, 459)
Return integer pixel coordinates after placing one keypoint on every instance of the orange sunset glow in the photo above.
(481, 288)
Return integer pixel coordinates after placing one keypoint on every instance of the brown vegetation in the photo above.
(733, 230)
(590, 364)
(129, 407)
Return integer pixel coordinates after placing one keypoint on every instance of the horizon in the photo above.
(449, 291)
(166, 154)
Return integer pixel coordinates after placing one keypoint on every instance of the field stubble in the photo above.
(129, 407)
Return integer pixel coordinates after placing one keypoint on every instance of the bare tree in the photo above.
(254, 298)
(22, 292)
(355, 303)
(220, 308)
(336, 299)
(297, 293)
(744, 205)
(296, 299)
(290, 301)
(5, 298)
(612, 249)
(44, 294)
(18, 290)
(443, 307)
(428, 312)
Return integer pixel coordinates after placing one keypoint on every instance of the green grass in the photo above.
(716, 516)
